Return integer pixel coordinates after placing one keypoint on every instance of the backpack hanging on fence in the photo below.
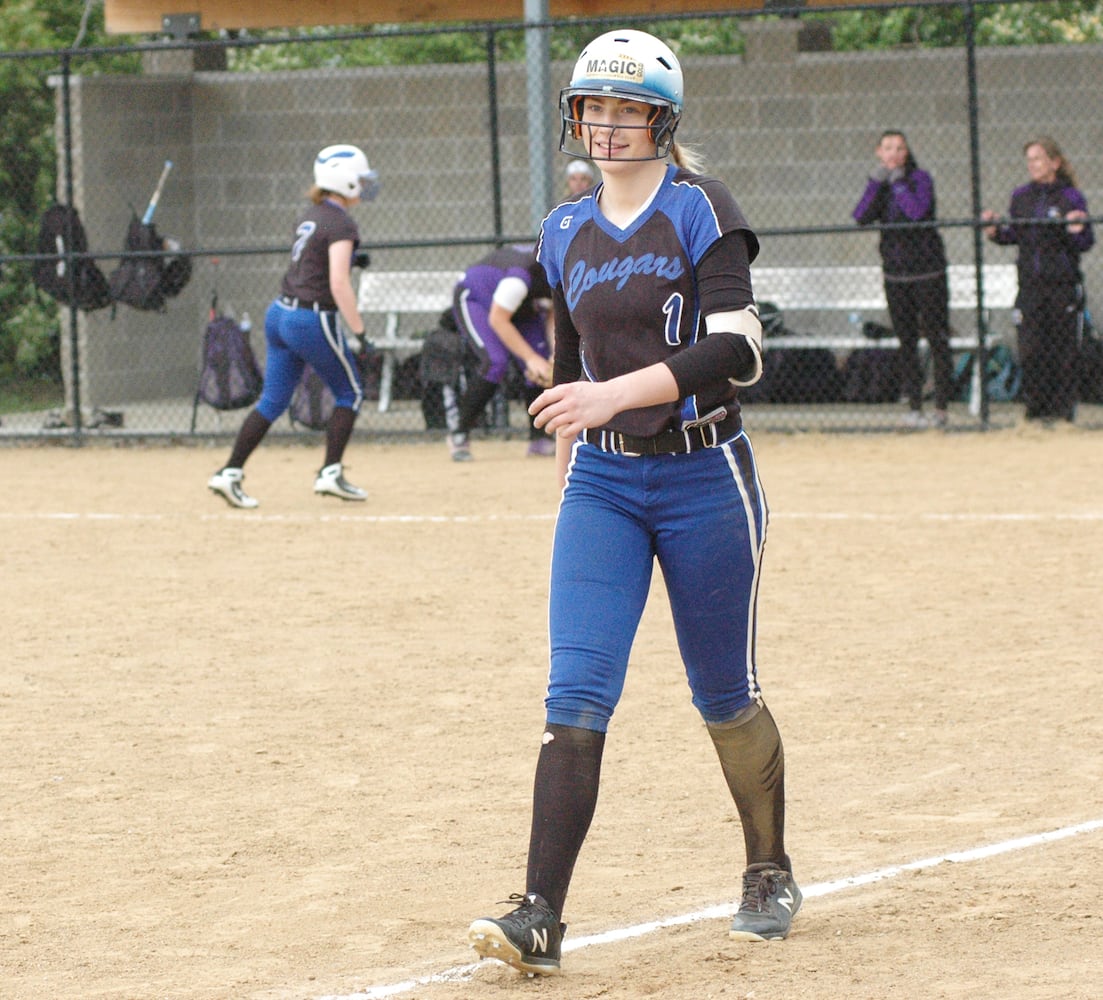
(177, 270)
(88, 289)
(312, 402)
(144, 280)
(230, 378)
(137, 280)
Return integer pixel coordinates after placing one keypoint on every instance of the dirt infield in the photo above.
(287, 754)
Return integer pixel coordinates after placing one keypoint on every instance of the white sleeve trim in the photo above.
(745, 323)
(510, 293)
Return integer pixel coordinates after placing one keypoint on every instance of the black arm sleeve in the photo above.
(724, 285)
(724, 275)
(567, 361)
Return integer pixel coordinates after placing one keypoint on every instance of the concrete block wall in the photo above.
(791, 131)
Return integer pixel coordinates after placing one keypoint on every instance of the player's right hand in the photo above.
(539, 372)
(571, 407)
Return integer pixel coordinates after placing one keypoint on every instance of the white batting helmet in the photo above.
(344, 170)
(631, 65)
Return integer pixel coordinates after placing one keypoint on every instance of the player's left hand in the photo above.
(569, 408)
(364, 352)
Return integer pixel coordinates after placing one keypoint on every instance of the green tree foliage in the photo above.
(28, 172)
(942, 26)
(399, 45)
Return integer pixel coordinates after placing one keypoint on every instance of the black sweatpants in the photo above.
(1049, 349)
(921, 306)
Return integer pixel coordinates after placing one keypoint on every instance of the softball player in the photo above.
(301, 325)
(502, 307)
(656, 328)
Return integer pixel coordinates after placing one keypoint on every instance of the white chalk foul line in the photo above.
(977, 516)
(462, 973)
(252, 517)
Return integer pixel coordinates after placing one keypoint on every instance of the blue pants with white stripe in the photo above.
(294, 337)
(703, 517)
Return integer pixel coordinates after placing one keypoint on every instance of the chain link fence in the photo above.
(462, 126)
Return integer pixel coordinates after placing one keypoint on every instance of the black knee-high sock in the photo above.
(563, 801)
(753, 761)
(253, 429)
(338, 432)
(479, 393)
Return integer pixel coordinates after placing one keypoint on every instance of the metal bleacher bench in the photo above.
(393, 295)
(858, 289)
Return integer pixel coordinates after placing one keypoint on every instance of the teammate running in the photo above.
(301, 325)
(656, 328)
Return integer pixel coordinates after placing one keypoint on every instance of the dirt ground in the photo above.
(287, 754)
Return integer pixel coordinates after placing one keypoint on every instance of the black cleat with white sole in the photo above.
(529, 937)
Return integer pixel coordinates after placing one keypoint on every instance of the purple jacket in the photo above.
(904, 252)
(1047, 254)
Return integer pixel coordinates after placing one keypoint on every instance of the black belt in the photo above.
(294, 303)
(666, 443)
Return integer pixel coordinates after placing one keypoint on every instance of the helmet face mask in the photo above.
(626, 65)
(576, 138)
(344, 170)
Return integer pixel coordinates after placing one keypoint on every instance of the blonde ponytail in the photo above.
(687, 158)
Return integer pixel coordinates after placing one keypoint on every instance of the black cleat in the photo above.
(771, 899)
(528, 938)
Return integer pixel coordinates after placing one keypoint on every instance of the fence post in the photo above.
(74, 337)
(538, 77)
(969, 12)
(492, 105)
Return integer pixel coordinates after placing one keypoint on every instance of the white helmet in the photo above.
(632, 65)
(344, 170)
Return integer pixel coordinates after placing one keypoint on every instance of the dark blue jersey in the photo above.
(307, 276)
(631, 297)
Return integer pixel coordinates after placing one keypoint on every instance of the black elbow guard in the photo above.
(745, 360)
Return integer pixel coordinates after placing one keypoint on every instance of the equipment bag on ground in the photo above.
(796, 375)
(1091, 360)
(1003, 376)
(872, 375)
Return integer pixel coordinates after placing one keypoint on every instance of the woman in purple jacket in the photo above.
(914, 265)
(1051, 292)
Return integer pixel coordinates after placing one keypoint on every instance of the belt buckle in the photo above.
(614, 443)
